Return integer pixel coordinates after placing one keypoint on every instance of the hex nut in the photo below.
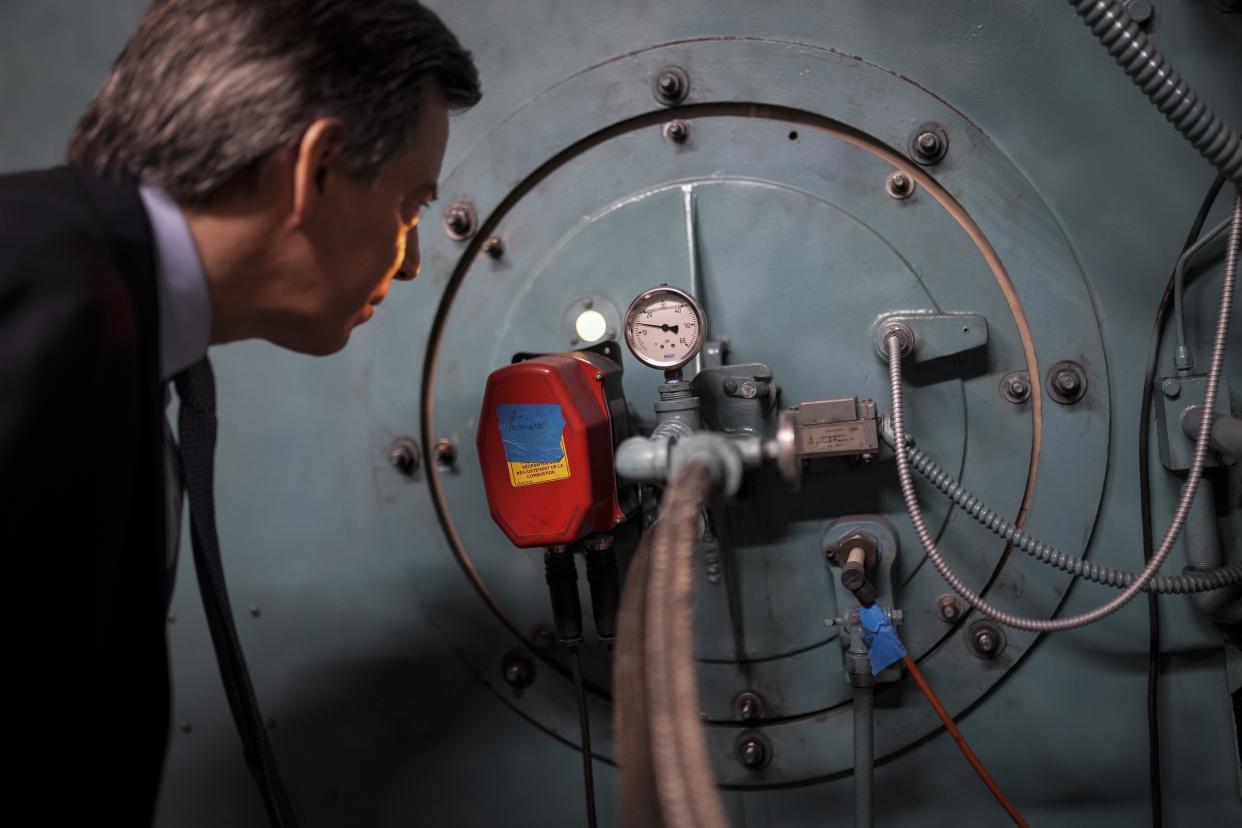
(405, 456)
(929, 144)
(949, 608)
(1066, 382)
(1016, 387)
(677, 131)
(985, 640)
(670, 85)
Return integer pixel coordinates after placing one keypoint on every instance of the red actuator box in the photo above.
(546, 448)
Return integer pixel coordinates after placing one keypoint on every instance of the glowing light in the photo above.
(591, 326)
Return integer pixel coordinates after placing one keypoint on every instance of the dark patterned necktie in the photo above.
(196, 386)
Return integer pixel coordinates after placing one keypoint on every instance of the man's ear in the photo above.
(318, 159)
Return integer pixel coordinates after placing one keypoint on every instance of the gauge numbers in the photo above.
(664, 328)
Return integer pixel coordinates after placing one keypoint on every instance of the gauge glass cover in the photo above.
(664, 328)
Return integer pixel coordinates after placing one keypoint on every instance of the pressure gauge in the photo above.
(665, 328)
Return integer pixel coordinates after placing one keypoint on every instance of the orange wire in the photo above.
(961, 742)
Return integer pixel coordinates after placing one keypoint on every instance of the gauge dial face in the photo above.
(665, 328)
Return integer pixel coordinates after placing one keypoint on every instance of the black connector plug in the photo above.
(562, 578)
(604, 578)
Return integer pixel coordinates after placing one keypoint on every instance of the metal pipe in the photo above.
(910, 496)
(864, 756)
(1226, 432)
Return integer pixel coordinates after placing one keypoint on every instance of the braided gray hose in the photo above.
(1163, 86)
(1201, 581)
(892, 342)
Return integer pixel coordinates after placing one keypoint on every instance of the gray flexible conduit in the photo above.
(667, 747)
(892, 343)
(1203, 581)
(1137, 55)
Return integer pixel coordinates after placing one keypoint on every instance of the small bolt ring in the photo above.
(1016, 387)
(1066, 382)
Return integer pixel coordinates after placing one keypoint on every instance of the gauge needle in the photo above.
(672, 328)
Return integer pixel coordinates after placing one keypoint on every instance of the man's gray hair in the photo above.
(207, 90)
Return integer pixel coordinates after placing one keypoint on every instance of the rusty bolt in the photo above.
(1016, 387)
(900, 185)
(986, 640)
(1065, 382)
(670, 86)
(949, 608)
(749, 706)
(929, 144)
(445, 452)
(677, 131)
(494, 247)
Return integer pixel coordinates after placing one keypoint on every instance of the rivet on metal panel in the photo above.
(677, 131)
(1171, 387)
(1016, 387)
(671, 85)
(900, 185)
(460, 221)
(929, 144)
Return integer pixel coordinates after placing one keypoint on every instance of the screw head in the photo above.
(749, 390)
(494, 247)
(1171, 387)
(1140, 11)
(749, 706)
(677, 131)
(730, 386)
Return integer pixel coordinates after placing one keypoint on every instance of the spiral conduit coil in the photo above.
(892, 342)
(1137, 55)
(1202, 581)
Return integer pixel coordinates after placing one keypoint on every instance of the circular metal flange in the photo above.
(513, 177)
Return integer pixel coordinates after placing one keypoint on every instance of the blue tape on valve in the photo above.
(884, 648)
(531, 432)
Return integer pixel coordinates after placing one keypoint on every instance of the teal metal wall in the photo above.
(379, 666)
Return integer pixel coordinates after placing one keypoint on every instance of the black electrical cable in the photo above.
(584, 728)
(1153, 600)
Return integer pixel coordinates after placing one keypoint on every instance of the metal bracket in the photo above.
(1175, 395)
(884, 536)
(936, 335)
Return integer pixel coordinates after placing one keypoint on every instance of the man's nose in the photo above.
(413, 259)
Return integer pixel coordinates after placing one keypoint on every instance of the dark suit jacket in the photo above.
(84, 725)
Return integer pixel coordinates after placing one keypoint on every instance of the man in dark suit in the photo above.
(248, 170)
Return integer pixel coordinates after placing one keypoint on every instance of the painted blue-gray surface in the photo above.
(379, 665)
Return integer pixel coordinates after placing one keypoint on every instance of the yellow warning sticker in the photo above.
(531, 474)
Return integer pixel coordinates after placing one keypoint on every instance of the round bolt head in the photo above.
(1140, 11)
(1066, 382)
(899, 185)
(986, 641)
(949, 608)
(749, 706)
(459, 221)
(752, 753)
(669, 84)
(749, 390)
(730, 386)
(928, 142)
(1171, 387)
(518, 668)
(445, 452)
(404, 455)
(187, 727)
(677, 131)
(255, 611)
(494, 247)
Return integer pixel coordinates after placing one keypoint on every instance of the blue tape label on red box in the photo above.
(531, 432)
